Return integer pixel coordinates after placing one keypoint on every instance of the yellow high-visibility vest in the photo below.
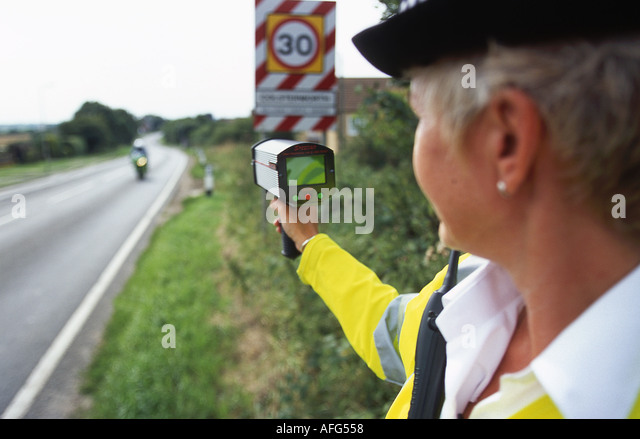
(381, 324)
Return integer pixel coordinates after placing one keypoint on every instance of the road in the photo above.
(63, 241)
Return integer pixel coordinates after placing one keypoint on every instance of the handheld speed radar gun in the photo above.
(297, 171)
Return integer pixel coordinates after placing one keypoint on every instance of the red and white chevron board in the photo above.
(324, 84)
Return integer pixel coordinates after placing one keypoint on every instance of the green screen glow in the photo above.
(306, 170)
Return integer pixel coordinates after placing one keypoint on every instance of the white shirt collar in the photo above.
(590, 370)
(478, 319)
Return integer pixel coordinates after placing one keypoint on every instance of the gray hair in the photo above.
(588, 95)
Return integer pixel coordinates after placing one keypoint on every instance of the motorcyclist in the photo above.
(138, 149)
(139, 157)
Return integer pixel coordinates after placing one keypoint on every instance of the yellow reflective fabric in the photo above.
(353, 293)
(358, 299)
(412, 319)
(635, 411)
(543, 408)
(408, 338)
(400, 407)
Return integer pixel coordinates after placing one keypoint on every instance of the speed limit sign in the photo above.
(296, 84)
(295, 43)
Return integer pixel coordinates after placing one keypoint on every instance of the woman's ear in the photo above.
(518, 132)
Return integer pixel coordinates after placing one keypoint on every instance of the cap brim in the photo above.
(441, 28)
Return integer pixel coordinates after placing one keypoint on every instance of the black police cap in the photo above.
(424, 31)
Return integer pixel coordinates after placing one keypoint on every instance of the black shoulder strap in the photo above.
(430, 360)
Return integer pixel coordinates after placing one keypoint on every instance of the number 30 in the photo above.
(303, 44)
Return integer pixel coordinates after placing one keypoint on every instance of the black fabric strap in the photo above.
(430, 359)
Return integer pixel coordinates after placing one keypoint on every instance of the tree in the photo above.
(92, 128)
(386, 126)
(151, 123)
(178, 132)
(122, 126)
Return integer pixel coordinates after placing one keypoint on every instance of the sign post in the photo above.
(295, 66)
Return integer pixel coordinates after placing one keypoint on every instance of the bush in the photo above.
(386, 126)
(178, 132)
(73, 145)
(235, 130)
(403, 246)
(93, 129)
(203, 130)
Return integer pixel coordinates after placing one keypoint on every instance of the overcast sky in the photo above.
(165, 57)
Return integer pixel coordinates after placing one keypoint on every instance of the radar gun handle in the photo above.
(288, 246)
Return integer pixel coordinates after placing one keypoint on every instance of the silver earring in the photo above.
(502, 188)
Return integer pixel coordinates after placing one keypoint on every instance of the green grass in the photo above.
(176, 283)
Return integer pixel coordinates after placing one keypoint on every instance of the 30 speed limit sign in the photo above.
(295, 43)
(296, 84)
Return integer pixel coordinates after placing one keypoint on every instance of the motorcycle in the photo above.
(140, 164)
(139, 159)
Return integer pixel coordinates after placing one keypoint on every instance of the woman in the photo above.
(521, 169)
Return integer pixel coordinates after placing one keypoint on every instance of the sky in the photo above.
(164, 57)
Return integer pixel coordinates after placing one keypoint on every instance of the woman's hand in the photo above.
(297, 228)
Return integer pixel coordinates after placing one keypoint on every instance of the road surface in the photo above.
(63, 241)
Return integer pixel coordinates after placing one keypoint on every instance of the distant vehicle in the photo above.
(139, 158)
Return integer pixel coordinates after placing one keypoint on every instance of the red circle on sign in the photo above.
(275, 52)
